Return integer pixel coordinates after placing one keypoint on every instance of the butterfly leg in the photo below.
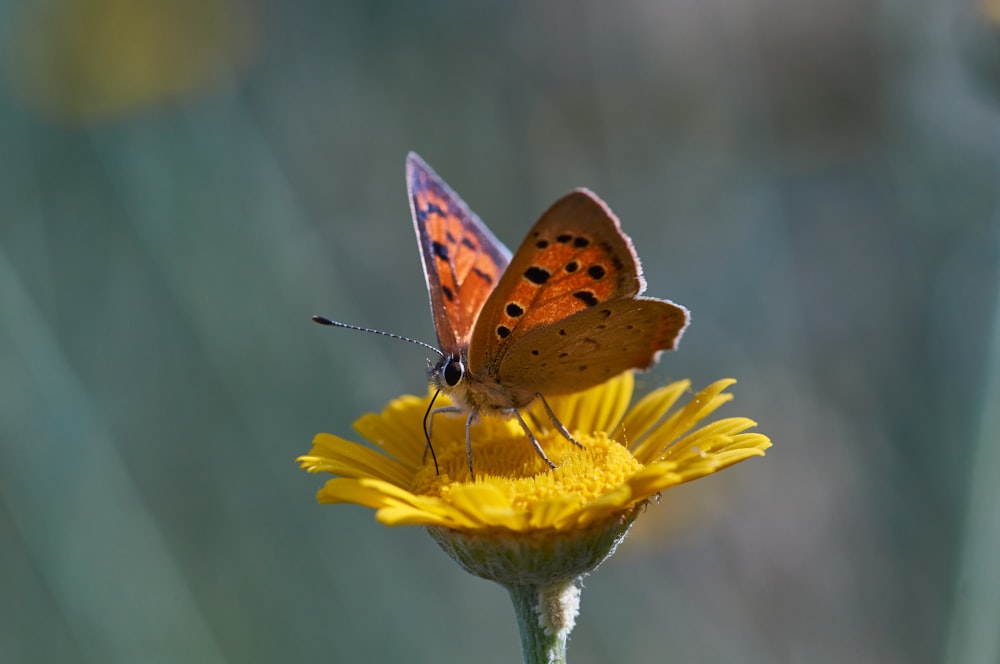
(559, 425)
(534, 441)
(429, 424)
(468, 442)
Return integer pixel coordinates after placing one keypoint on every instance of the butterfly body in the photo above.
(561, 314)
(476, 392)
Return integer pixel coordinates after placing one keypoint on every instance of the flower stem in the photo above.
(545, 615)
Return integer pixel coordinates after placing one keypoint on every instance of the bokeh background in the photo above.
(182, 184)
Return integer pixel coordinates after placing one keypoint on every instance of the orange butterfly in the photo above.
(562, 315)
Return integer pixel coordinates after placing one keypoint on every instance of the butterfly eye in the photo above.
(453, 371)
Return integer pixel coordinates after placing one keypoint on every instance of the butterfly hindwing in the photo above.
(594, 345)
(463, 261)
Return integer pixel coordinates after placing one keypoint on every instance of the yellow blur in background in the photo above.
(84, 60)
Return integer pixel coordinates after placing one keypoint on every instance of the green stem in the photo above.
(546, 616)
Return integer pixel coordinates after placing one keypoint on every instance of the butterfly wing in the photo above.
(462, 259)
(593, 345)
(565, 315)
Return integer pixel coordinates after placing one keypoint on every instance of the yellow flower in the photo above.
(535, 530)
(628, 457)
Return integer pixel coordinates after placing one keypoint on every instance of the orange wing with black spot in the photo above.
(565, 314)
(463, 261)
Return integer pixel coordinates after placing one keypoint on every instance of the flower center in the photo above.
(511, 464)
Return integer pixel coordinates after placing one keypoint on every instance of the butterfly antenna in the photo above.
(326, 321)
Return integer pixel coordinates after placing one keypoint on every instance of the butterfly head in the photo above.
(469, 391)
(448, 372)
(449, 375)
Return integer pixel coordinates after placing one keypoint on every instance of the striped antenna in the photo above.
(332, 323)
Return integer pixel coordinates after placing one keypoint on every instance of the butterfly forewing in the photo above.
(462, 259)
(575, 258)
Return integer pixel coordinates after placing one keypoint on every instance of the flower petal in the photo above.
(397, 429)
(551, 511)
(370, 492)
(600, 408)
(641, 418)
(663, 434)
(654, 478)
(341, 457)
(721, 431)
(609, 406)
(716, 463)
(615, 500)
(485, 504)
(404, 515)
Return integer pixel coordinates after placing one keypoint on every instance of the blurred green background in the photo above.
(182, 184)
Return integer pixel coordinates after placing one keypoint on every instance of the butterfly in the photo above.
(560, 315)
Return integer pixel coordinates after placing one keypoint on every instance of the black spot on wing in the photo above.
(596, 272)
(537, 275)
(586, 297)
(482, 275)
(514, 310)
(440, 250)
(448, 294)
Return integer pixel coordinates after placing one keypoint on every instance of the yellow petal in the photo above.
(640, 420)
(702, 405)
(654, 478)
(695, 467)
(609, 406)
(342, 457)
(552, 511)
(487, 505)
(615, 500)
(373, 493)
(404, 515)
(397, 429)
(600, 408)
(711, 436)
